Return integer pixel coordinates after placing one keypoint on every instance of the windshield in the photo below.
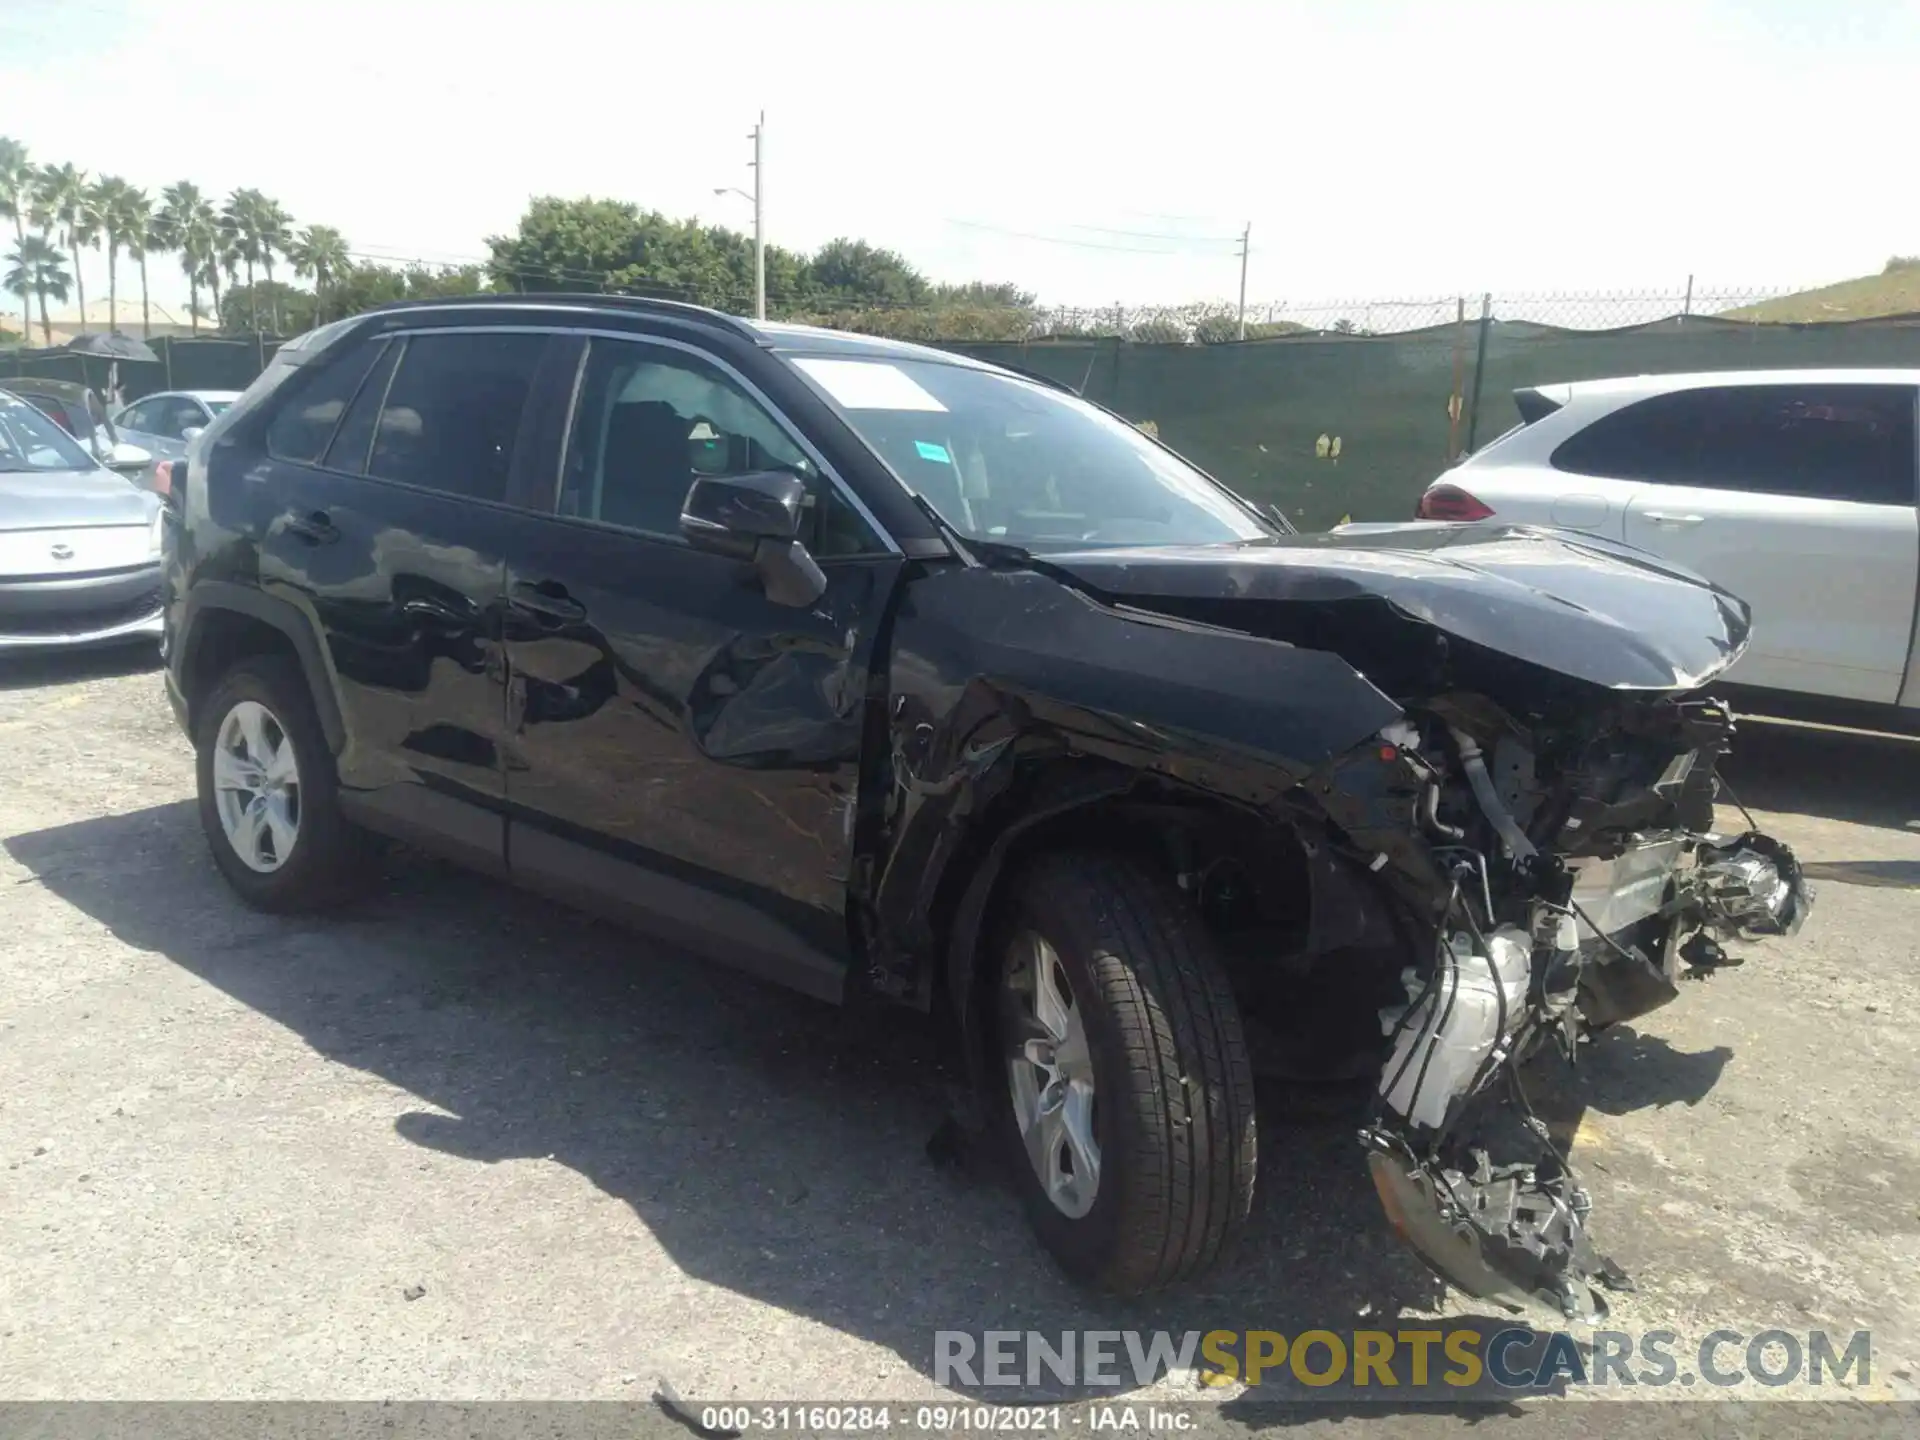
(30, 441)
(1006, 460)
(215, 407)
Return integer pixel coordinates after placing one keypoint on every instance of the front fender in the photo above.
(1000, 683)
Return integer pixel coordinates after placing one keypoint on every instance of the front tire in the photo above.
(269, 801)
(1128, 1092)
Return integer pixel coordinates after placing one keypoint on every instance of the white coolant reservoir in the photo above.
(1455, 1027)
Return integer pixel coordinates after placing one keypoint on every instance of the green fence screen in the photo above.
(1324, 425)
(1256, 413)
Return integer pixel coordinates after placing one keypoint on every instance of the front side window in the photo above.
(452, 412)
(650, 420)
(30, 441)
(1003, 459)
(1827, 442)
(181, 415)
(144, 417)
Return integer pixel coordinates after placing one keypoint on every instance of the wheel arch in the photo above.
(1069, 802)
(224, 623)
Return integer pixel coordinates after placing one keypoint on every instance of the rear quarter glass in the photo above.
(1494, 444)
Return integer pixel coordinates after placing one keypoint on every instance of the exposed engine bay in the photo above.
(1582, 880)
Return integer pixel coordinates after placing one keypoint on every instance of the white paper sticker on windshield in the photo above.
(869, 385)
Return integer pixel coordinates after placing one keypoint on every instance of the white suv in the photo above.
(1794, 489)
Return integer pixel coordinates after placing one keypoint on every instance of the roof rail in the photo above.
(645, 304)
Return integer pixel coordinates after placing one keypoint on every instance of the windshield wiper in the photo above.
(983, 552)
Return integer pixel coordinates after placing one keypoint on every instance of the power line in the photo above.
(1076, 244)
(1161, 235)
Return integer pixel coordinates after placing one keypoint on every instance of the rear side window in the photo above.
(306, 419)
(354, 438)
(452, 412)
(1829, 442)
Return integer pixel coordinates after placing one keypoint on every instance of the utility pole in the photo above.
(1246, 236)
(759, 222)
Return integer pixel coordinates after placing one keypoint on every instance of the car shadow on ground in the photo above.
(33, 670)
(774, 1146)
(1849, 775)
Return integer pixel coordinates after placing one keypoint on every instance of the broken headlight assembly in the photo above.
(1580, 916)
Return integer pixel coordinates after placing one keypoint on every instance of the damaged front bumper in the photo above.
(1467, 1173)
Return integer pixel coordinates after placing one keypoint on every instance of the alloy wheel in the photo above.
(1050, 1073)
(256, 784)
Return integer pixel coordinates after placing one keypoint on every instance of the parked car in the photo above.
(78, 410)
(164, 423)
(1794, 489)
(898, 677)
(79, 544)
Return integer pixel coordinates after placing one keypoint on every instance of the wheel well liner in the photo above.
(225, 622)
(1072, 802)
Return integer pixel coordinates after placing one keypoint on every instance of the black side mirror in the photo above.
(756, 517)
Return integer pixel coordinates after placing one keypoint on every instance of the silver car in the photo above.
(79, 545)
(164, 423)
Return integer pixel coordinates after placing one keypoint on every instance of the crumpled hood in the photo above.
(71, 500)
(1592, 609)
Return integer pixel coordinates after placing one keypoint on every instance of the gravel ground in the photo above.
(459, 1143)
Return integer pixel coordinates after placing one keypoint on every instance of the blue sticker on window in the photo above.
(930, 451)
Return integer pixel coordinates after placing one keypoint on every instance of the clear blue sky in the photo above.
(1091, 152)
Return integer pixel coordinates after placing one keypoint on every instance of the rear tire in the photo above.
(1131, 1120)
(269, 799)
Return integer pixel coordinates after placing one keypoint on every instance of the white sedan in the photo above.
(1794, 489)
(164, 423)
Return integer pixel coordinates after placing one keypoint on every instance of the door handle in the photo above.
(547, 599)
(1667, 517)
(314, 527)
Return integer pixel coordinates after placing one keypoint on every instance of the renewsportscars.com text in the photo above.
(1460, 1358)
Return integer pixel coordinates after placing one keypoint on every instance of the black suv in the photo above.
(887, 674)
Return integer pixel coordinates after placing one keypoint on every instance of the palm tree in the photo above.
(36, 267)
(241, 221)
(62, 202)
(320, 251)
(108, 196)
(225, 258)
(275, 234)
(136, 232)
(187, 225)
(16, 199)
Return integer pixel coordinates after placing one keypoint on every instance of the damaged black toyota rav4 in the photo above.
(890, 675)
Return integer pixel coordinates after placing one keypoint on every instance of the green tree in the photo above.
(274, 237)
(63, 204)
(610, 245)
(136, 233)
(242, 222)
(241, 303)
(361, 287)
(319, 253)
(983, 295)
(36, 267)
(108, 197)
(187, 225)
(225, 258)
(17, 177)
(854, 272)
(1223, 329)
